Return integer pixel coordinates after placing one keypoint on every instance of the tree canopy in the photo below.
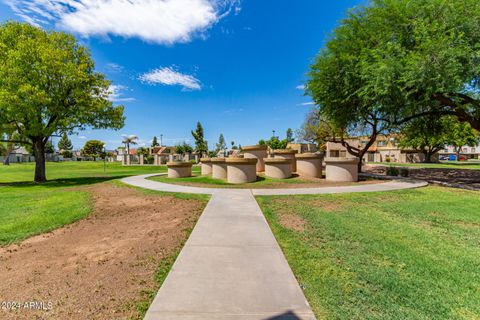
(64, 143)
(93, 148)
(201, 145)
(155, 142)
(396, 60)
(183, 148)
(221, 145)
(48, 84)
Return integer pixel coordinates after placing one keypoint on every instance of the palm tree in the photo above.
(128, 140)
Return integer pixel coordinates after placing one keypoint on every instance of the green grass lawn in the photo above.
(475, 165)
(412, 254)
(27, 209)
(208, 181)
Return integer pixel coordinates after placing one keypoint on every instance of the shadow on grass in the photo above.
(63, 182)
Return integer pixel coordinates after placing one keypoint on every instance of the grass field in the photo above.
(209, 181)
(443, 165)
(27, 209)
(399, 255)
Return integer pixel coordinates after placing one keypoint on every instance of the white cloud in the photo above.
(300, 87)
(82, 137)
(169, 77)
(308, 103)
(156, 21)
(116, 94)
(113, 68)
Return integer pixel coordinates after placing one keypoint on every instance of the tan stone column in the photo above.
(287, 154)
(278, 168)
(142, 159)
(219, 168)
(309, 164)
(206, 166)
(179, 169)
(342, 169)
(241, 170)
(258, 152)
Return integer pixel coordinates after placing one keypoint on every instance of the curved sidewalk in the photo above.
(142, 182)
(231, 266)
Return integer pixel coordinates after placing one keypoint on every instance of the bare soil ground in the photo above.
(96, 268)
(456, 178)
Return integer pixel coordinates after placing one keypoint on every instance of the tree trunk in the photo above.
(39, 147)
(6, 161)
(457, 152)
(428, 157)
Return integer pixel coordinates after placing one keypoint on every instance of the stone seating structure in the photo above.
(179, 169)
(258, 152)
(286, 154)
(206, 166)
(219, 168)
(278, 168)
(309, 164)
(241, 170)
(342, 169)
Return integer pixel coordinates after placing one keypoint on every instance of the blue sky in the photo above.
(235, 66)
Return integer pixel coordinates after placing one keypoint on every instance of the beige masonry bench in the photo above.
(206, 166)
(309, 164)
(342, 169)
(241, 170)
(258, 152)
(179, 169)
(278, 168)
(219, 168)
(286, 154)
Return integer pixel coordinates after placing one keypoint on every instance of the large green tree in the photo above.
(221, 144)
(93, 148)
(64, 144)
(155, 142)
(201, 145)
(48, 85)
(461, 134)
(428, 135)
(406, 58)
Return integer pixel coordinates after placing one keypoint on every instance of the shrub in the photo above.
(392, 171)
(404, 172)
(148, 159)
(67, 154)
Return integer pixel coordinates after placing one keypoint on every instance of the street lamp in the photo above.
(161, 140)
(273, 133)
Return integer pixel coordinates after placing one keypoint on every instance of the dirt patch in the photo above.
(456, 178)
(329, 205)
(467, 224)
(96, 268)
(292, 221)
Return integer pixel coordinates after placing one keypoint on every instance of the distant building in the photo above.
(384, 149)
(466, 153)
(303, 147)
(19, 155)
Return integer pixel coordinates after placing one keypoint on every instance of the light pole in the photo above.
(161, 140)
(104, 159)
(273, 133)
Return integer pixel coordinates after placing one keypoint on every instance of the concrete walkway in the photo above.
(231, 267)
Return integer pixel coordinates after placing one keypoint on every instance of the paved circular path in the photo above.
(142, 182)
(231, 266)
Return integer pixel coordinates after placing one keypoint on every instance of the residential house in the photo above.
(466, 153)
(384, 149)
